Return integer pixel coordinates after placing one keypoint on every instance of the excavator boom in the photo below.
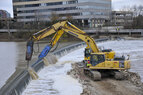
(59, 28)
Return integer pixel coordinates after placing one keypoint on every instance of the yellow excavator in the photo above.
(96, 62)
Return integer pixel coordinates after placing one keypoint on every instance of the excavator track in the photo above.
(94, 75)
(119, 75)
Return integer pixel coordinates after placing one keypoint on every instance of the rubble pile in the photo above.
(132, 85)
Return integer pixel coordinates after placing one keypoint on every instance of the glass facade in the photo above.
(23, 0)
(84, 10)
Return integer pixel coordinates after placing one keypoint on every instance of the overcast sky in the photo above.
(116, 4)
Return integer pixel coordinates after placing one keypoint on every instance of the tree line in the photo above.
(137, 16)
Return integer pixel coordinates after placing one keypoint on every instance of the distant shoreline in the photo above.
(68, 39)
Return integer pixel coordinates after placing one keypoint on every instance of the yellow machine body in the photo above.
(109, 64)
(108, 61)
(109, 55)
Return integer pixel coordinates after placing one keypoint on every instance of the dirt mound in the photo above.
(108, 86)
(134, 78)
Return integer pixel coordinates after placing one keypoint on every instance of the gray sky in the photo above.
(116, 4)
(119, 4)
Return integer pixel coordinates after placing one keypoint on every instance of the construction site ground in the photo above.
(132, 85)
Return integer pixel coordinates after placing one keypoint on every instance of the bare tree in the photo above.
(137, 22)
(69, 18)
(137, 10)
(140, 8)
(1, 24)
(54, 18)
(126, 8)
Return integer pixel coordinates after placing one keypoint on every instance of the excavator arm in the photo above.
(48, 31)
(87, 39)
(41, 35)
(54, 40)
(59, 28)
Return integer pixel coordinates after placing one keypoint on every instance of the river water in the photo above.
(53, 80)
(8, 60)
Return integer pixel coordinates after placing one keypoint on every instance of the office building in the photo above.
(90, 13)
(122, 18)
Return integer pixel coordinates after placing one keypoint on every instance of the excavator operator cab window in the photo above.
(87, 52)
(96, 59)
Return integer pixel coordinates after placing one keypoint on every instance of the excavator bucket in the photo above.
(44, 52)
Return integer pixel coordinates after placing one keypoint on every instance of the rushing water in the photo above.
(53, 80)
(8, 58)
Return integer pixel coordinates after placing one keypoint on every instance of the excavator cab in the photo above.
(96, 59)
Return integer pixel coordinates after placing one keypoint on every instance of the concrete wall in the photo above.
(92, 30)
